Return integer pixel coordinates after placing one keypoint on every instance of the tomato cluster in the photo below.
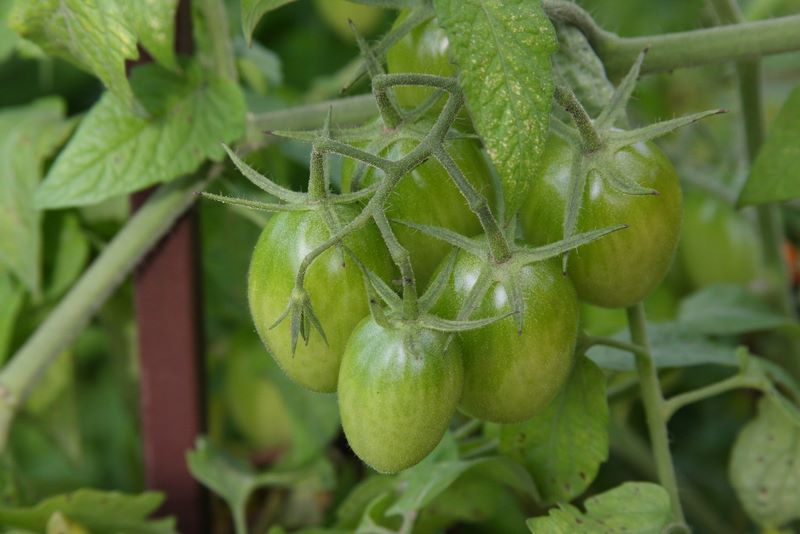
(399, 380)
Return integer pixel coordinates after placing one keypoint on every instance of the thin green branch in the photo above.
(143, 231)
(681, 49)
(653, 401)
(738, 381)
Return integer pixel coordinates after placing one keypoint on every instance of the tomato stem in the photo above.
(653, 401)
(681, 49)
(567, 100)
(402, 259)
(738, 381)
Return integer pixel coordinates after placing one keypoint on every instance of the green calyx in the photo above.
(505, 272)
(598, 141)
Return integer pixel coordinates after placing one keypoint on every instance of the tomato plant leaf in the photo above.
(253, 10)
(27, 136)
(8, 39)
(563, 446)
(96, 36)
(64, 237)
(503, 52)
(115, 151)
(765, 466)
(727, 310)
(101, 512)
(11, 295)
(673, 345)
(425, 482)
(153, 21)
(774, 176)
(640, 507)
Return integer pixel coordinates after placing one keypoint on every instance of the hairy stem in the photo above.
(682, 49)
(567, 100)
(653, 402)
(402, 259)
(143, 231)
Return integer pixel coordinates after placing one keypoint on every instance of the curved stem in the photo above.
(402, 259)
(567, 100)
(677, 402)
(653, 402)
(682, 49)
(143, 231)
(591, 341)
(498, 244)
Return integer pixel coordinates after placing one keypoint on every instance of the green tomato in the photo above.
(509, 376)
(427, 195)
(334, 284)
(254, 402)
(423, 50)
(620, 269)
(398, 389)
(718, 245)
(336, 14)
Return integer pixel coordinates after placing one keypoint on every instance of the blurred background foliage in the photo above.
(80, 427)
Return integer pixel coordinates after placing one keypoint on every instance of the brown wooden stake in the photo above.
(169, 321)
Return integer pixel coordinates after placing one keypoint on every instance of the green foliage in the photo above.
(765, 466)
(117, 151)
(773, 177)
(728, 310)
(79, 31)
(27, 136)
(99, 512)
(564, 446)
(503, 50)
(638, 507)
(253, 10)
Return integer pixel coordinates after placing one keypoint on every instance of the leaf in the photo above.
(253, 10)
(563, 447)
(27, 136)
(234, 480)
(258, 65)
(503, 52)
(727, 310)
(765, 466)
(116, 152)
(425, 482)
(69, 248)
(673, 345)
(8, 39)
(154, 23)
(578, 65)
(101, 512)
(636, 507)
(97, 36)
(774, 176)
(12, 296)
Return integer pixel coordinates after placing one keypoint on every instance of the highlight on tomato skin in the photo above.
(511, 375)
(334, 283)
(398, 391)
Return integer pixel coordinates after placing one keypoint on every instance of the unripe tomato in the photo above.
(398, 389)
(428, 195)
(337, 13)
(509, 376)
(718, 245)
(620, 269)
(334, 283)
(254, 402)
(423, 50)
